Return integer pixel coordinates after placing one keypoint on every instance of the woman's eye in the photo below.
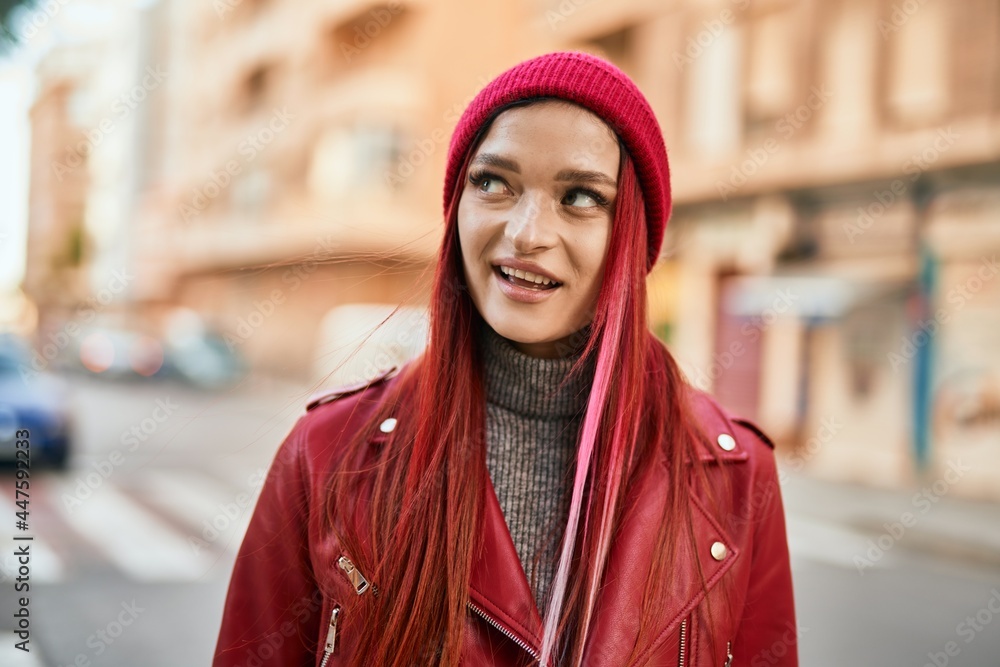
(582, 199)
(491, 186)
(487, 183)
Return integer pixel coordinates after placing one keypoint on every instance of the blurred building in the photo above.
(835, 169)
(95, 100)
(56, 202)
(829, 268)
(304, 156)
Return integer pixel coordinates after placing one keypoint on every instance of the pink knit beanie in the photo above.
(603, 89)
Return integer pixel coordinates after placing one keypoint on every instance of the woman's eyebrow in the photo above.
(498, 161)
(566, 175)
(587, 176)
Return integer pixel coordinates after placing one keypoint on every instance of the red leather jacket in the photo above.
(291, 594)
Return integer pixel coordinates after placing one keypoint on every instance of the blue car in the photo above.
(35, 401)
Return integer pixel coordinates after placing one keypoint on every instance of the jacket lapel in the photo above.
(500, 589)
(498, 585)
(614, 628)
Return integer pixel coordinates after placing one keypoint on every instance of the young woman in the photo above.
(540, 484)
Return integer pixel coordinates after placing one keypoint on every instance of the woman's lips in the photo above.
(519, 291)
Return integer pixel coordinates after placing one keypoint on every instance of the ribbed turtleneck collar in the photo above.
(527, 385)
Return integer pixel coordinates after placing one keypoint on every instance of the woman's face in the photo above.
(539, 196)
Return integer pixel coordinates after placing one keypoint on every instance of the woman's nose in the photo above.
(529, 227)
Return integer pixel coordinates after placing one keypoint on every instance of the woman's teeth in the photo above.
(527, 278)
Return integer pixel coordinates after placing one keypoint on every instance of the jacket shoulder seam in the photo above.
(748, 424)
(330, 395)
(715, 421)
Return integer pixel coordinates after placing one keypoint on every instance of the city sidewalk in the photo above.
(859, 527)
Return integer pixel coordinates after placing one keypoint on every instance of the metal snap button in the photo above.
(718, 550)
(727, 442)
(388, 425)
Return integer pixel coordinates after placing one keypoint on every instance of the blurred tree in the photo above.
(8, 10)
(76, 245)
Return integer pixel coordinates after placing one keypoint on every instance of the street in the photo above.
(133, 545)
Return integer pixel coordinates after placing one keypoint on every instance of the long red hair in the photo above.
(426, 487)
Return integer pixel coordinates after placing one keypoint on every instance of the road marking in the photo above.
(13, 657)
(137, 541)
(216, 515)
(46, 566)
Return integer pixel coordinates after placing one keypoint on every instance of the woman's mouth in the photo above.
(528, 288)
(525, 279)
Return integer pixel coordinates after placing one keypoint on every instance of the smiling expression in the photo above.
(539, 196)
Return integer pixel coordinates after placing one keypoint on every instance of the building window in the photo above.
(848, 50)
(617, 46)
(354, 158)
(975, 57)
(917, 65)
(348, 42)
(771, 70)
(248, 10)
(713, 79)
(258, 87)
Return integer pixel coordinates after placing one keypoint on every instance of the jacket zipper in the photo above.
(331, 635)
(507, 633)
(680, 660)
(353, 575)
(361, 584)
(729, 654)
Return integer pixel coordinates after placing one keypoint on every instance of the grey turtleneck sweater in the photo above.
(531, 440)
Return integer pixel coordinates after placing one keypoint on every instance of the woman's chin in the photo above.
(525, 334)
